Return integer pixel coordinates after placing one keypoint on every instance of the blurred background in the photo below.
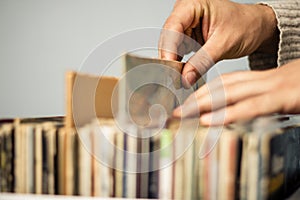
(41, 39)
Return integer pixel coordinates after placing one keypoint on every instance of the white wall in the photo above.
(41, 39)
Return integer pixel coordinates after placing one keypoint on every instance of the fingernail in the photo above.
(168, 56)
(177, 112)
(191, 77)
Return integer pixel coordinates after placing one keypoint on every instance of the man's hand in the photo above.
(248, 94)
(224, 28)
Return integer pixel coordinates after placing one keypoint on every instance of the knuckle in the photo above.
(169, 23)
(225, 78)
(253, 108)
(232, 93)
(290, 105)
(230, 115)
(259, 106)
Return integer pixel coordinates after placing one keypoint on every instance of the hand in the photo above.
(248, 94)
(226, 29)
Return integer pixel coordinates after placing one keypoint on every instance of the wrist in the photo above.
(270, 32)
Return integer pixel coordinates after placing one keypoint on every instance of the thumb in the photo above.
(201, 62)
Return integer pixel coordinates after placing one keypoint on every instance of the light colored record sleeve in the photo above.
(119, 164)
(188, 165)
(253, 162)
(69, 164)
(131, 166)
(51, 151)
(38, 159)
(103, 137)
(166, 169)
(97, 166)
(61, 160)
(23, 159)
(17, 157)
(178, 166)
(85, 161)
(228, 164)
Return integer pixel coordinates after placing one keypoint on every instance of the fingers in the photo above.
(183, 23)
(184, 17)
(218, 97)
(203, 60)
(226, 91)
(244, 110)
(235, 97)
(168, 44)
(231, 78)
(197, 66)
(232, 94)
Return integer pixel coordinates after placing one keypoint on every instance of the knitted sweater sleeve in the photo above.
(288, 22)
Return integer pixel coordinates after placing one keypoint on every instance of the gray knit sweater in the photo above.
(288, 18)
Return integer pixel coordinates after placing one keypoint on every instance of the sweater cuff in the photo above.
(288, 23)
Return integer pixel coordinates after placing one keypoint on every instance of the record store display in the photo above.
(91, 153)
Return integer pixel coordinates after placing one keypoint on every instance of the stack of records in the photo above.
(95, 150)
(256, 160)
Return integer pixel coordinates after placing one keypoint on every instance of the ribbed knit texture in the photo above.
(288, 17)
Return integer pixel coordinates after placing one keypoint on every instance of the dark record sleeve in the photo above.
(292, 161)
(44, 163)
(284, 166)
(10, 160)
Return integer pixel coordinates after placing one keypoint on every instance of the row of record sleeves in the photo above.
(255, 160)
